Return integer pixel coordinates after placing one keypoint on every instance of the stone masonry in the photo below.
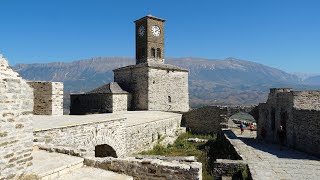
(155, 86)
(149, 168)
(208, 119)
(48, 98)
(82, 133)
(144, 136)
(16, 105)
(298, 112)
(104, 99)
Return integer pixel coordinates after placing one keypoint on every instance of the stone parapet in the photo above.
(48, 97)
(148, 168)
(84, 137)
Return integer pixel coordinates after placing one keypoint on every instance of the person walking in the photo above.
(242, 127)
(251, 127)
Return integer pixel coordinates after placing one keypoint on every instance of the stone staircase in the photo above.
(49, 166)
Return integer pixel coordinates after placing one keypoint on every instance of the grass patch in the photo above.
(181, 147)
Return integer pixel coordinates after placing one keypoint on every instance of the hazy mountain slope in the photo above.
(229, 81)
(315, 80)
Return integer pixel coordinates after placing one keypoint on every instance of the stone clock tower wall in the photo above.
(146, 43)
(153, 84)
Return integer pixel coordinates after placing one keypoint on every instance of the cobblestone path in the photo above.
(267, 161)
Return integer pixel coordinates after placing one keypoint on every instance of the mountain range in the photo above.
(225, 82)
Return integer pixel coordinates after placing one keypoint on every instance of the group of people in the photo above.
(242, 127)
(281, 133)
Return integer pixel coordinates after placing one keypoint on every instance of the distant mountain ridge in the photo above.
(228, 81)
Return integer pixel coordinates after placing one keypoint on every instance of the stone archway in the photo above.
(104, 150)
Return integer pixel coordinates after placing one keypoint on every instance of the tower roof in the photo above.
(151, 17)
(111, 88)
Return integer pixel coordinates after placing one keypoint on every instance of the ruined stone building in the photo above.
(151, 84)
(298, 112)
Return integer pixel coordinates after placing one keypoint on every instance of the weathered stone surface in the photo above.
(105, 99)
(48, 97)
(16, 105)
(268, 161)
(208, 119)
(126, 132)
(155, 88)
(148, 168)
(84, 135)
(298, 112)
(143, 136)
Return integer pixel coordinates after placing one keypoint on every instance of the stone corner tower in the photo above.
(149, 40)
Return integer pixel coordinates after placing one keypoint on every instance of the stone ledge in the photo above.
(148, 168)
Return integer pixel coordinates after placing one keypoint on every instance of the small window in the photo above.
(158, 52)
(169, 99)
(153, 52)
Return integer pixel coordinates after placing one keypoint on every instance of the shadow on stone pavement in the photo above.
(274, 149)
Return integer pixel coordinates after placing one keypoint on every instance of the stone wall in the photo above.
(229, 168)
(155, 88)
(306, 100)
(142, 137)
(48, 98)
(168, 90)
(121, 102)
(16, 105)
(98, 103)
(134, 81)
(297, 112)
(85, 137)
(149, 168)
(207, 119)
(305, 132)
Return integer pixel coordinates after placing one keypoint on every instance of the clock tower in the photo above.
(149, 40)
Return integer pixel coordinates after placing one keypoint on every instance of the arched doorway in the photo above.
(242, 117)
(105, 150)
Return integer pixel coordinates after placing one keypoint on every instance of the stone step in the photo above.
(57, 166)
(48, 165)
(89, 173)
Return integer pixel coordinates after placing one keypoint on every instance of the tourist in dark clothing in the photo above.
(242, 127)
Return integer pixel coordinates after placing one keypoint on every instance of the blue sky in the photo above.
(280, 33)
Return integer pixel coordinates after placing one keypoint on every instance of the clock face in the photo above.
(141, 31)
(155, 31)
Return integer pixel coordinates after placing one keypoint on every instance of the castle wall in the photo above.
(121, 102)
(143, 137)
(84, 137)
(208, 119)
(168, 90)
(304, 134)
(307, 100)
(98, 103)
(134, 81)
(48, 98)
(148, 168)
(16, 139)
(298, 113)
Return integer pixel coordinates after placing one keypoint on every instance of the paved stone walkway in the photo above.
(267, 161)
(43, 122)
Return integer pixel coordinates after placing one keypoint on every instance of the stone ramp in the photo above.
(268, 161)
(49, 166)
